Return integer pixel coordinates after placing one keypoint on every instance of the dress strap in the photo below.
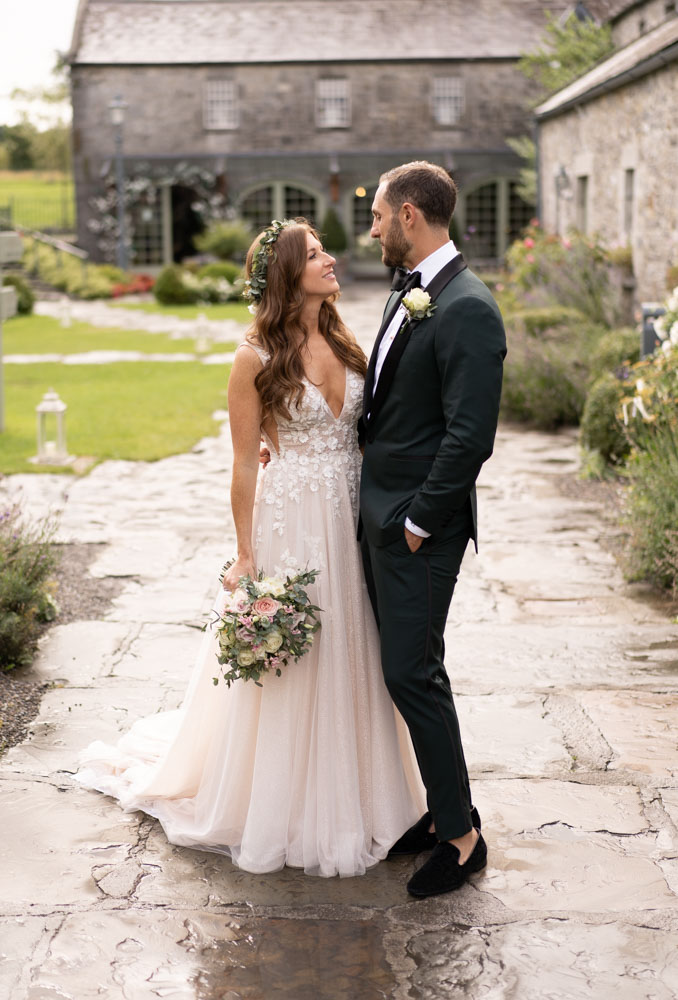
(259, 351)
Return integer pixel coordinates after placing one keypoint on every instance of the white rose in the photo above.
(260, 653)
(224, 640)
(273, 641)
(271, 585)
(672, 304)
(236, 599)
(245, 658)
(417, 299)
(659, 328)
(673, 335)
(667, 347)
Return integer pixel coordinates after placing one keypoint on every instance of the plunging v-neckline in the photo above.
(322, 396)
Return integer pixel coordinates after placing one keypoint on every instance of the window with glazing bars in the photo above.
(447, 98)
(221, 105)
(332, 103)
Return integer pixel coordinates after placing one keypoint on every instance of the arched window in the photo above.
(362, 209)
(489, 217)
(279, 200)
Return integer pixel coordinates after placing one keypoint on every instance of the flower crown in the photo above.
(256, 283)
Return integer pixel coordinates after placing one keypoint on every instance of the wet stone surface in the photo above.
(567, 690)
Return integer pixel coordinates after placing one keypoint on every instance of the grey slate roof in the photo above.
(642, 56)
(250, 31)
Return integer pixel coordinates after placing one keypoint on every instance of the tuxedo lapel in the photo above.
(389, 312)
(372, 404)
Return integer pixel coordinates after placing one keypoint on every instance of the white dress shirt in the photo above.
(428, 268)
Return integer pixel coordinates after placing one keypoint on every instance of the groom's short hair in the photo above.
(425, 185)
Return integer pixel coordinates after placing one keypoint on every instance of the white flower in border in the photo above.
(659, 328)
(673, 335)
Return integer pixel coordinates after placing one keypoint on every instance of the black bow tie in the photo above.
(404, 280)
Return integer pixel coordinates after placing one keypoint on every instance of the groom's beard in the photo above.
(395, 249)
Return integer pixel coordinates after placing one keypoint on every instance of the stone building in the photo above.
(278, 108)
(608, 145)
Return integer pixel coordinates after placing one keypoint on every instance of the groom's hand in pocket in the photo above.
(413, 541)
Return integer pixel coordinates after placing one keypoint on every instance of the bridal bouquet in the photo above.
(264, 623)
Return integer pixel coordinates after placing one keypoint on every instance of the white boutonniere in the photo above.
(418, 304)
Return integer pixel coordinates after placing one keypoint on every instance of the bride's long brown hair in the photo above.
(279, 329)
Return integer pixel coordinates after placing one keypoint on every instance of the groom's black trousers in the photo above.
(411, 594)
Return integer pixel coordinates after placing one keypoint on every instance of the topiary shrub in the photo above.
(221, 269)
(226, 240)
(27, 560)
(171, 289)
(546, 377)
(616, 351)
(333, 233)
(24, 293)
(536, 319)
(601, 429)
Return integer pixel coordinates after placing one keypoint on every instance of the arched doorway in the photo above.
(489, 217)
(186, 222)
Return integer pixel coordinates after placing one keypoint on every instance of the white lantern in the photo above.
(52, 430)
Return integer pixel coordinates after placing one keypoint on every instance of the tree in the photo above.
(41, 140)
(16, 142)
(568, 50)
(527, 151)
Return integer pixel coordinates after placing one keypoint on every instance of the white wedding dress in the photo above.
(315, 769)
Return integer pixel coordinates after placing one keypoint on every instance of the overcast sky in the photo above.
(31, 34)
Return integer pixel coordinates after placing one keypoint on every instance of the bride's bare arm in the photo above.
(244, 408)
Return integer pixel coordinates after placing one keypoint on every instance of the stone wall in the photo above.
(633, 128)
(278, 138)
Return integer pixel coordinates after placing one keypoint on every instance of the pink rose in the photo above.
(266, 606)
(529, 242)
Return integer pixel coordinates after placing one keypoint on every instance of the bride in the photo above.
(314, 769)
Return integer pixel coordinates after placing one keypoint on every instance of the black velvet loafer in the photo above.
(443, 873)
(419, 838)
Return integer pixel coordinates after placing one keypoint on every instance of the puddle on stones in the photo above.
(293, 960)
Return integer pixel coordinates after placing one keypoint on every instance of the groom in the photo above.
(429, 420)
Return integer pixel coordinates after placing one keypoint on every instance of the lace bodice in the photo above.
(317, 451)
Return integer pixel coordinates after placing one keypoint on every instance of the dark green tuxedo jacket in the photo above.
(433, 419)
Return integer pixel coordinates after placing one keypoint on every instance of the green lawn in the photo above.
(138, 411)
(227, 310)
(38, 199)
(44, 335)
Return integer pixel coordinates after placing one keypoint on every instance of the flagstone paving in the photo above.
(566, 682)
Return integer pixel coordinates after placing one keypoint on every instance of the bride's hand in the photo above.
(243, 566)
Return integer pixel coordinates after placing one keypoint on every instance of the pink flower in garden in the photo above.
(266, 606)
(534, 223)
(567, 244)
(530, 258)
(529, 242)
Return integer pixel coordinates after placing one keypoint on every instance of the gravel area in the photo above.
(81, 597)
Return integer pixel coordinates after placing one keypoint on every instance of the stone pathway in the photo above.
(567, 695)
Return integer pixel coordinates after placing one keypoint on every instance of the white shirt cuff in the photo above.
(416, 530)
